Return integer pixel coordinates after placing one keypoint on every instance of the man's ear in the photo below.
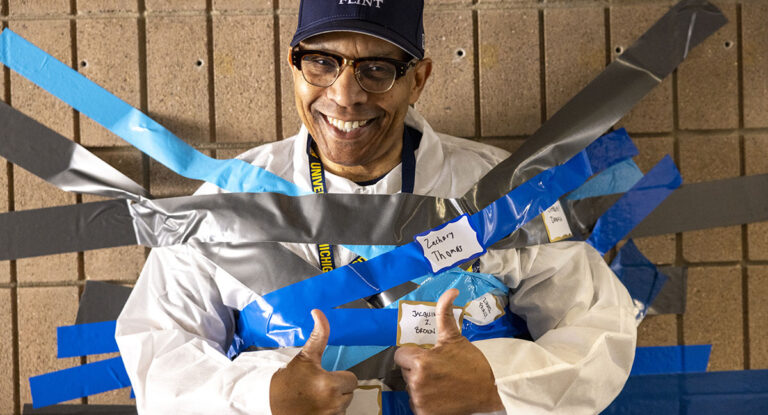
(421, 73)
(288, 58)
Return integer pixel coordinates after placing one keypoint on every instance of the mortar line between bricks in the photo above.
(141, 31)
(476, 70)
(277, 51)
(542, 68)
(211, 75)
(4, 9)
(743, 167)
(679, 260)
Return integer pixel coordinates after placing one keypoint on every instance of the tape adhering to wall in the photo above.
(78, 381)
(101, 301)
(74, 409)
(657, 360)
(635, 205)
(70, 228)
(707, 205)
(710, 393)
(672, 297)
(606, 99)
(641, 277)
(58, 160)
(86, 339)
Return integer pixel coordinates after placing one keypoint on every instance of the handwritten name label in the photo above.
(556, 223)
(417, 323)
(366, 399)
(450, 245)
(483, 310)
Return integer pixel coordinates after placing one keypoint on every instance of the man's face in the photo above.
(378, 138)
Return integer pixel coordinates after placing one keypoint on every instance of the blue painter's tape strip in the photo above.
(610, 148)
(77, 382)
(671, 359)
(635, 205)
(618, 178)
(710, 393)
(131, 124)
(86, 339)
(642, 279)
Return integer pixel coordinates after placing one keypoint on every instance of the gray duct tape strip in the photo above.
(65, 229)
(101, 301)
(605, 100)
(672, 297)
(80, 410)
(707, 205)
(59, 161)
(331, 218)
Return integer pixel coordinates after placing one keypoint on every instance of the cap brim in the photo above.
(358, 26)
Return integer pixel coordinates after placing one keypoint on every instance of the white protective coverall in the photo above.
(174, 330)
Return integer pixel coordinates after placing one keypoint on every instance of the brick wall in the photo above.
(215, 73)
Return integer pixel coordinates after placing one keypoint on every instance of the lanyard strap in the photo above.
(317, 177)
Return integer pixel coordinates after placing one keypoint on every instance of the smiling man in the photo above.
(358, 67)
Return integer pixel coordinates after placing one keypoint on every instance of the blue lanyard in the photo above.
(411, 137)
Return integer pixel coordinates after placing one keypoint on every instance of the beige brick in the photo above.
(715, 244)
(714, 314)
(53, 36)
(509, 72)
(758, 314)
(245, 78)
(755, 63)
(448, 101)
(38, 7)
(571, 65)
(659, 249)
(658, 330)
(175, 5)
(177, 75)
(707, 81)
(706, 158)
(114, 397)
(33, 193)
(41, 310)
(106, 6)
(756, 162)
(289, 4)
(108, 54)
(654, 112)
(430, 3)
(165, 183)
(242, 4)
(290, 118)
(6, 352)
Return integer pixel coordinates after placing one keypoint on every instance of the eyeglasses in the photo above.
(373, 74)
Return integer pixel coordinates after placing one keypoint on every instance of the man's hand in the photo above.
(303, 387)
(453, 377)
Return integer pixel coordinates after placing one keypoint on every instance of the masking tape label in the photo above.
(556, 223)
(417, 323)
(483, 310)
(450, 245)
(366, 399)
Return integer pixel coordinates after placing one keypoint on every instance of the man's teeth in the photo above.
(346, 126)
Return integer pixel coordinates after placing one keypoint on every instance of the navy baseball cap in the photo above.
(399, 22)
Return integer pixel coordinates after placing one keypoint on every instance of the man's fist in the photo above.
(304, 387)
(451, 378)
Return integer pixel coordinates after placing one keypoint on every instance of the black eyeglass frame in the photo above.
(401, 66)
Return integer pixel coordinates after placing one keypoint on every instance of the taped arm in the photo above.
(173, 334)
(581, 318)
